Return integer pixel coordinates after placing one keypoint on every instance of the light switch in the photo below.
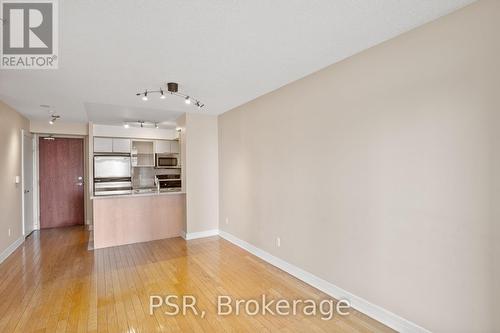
(18, 179)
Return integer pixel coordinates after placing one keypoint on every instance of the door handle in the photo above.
(79, 184)
(26, 191)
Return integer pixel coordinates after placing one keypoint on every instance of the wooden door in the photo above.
(61, 182)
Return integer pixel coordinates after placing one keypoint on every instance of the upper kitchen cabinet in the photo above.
(111, 145)
(103, 145)
(167, 147)
(143, 153)
(121, 145)
(162, 147)
(175, 147)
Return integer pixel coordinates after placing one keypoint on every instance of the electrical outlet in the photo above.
(227, 220)
(278, 241)
(9, 232)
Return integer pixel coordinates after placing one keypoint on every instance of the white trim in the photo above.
(8, 251)
(89, 226)
(22, 185)
(374, 311)
(183, 234)
(200, 234)
(25, 134)
(36, 183)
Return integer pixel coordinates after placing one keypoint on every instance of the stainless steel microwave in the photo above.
(166, 161)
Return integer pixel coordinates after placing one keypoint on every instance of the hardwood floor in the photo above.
(52, 283)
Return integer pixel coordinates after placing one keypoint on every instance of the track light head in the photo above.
(162, 96)
(187, 100)
(145, 97)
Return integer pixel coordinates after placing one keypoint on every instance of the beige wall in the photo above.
(376, 172)
(495, 239)
(11, 124)
(181, 125)
(199, 139)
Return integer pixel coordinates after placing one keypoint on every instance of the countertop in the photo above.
(139, 194)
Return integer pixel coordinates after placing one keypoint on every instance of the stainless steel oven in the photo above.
(112, 166)
(112, 174)
(112, 186)
(168, 182)
(167, 161)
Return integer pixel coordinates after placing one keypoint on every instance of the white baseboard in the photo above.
(376, 312)
(200, 234)
(8, 251)
(183, 234)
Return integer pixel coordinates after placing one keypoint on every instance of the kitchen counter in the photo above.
(139, 217)
(139, 193)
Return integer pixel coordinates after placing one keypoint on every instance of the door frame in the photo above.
(23, 204)
(36, 176)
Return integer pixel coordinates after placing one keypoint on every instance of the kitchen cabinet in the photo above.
(121, 145)
(103, 145)
(143, 153)
(162, 147)
(167, 147)
(175, 147)
(111, 145)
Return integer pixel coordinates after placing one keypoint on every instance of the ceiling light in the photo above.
(142, 124)
(53, 119)
(173, 89)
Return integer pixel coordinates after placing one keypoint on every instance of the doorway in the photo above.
(27, 162)
(61, 170)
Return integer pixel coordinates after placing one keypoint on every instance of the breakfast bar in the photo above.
(133, 218)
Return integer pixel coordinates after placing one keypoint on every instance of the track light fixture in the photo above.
(172, 89)
(53, 119)
(142, 124)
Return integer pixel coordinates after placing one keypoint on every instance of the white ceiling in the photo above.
(223, 52)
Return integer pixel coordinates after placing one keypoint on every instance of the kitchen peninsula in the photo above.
(133, 218)
(137, 190)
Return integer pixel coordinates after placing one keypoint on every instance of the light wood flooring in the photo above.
(52, 283)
